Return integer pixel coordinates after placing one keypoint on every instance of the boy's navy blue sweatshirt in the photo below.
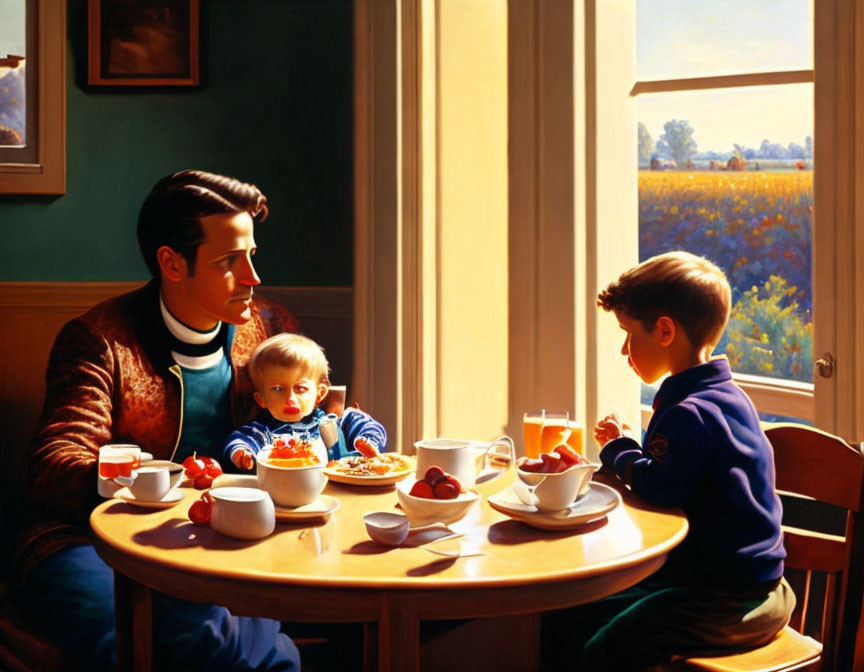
(706, 453)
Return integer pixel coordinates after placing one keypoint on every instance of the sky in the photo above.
(11, 28)
(692, 38)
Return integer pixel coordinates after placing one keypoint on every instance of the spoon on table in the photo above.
(391, 529)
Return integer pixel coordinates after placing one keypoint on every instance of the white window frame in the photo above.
(836, 403)
(572, 210)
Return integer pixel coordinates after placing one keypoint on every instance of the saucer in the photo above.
(593, 505)
(320, 508)
(170, 499)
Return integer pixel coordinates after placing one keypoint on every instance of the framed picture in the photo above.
(33, 97)
(143, 43)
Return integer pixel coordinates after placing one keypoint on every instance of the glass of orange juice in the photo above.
(576, 440)
(532, 428)
(117, 459)
(556, 430)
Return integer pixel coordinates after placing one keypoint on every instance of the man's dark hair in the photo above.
(171, 212)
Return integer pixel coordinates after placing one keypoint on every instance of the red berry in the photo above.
(433, 475)
(203, 482)
(201, 510)
(531, 465)
(194, 467)
(444, 489)
(550, 463)
(452, 480)
(422, 489)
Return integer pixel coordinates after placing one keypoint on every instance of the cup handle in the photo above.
(489, 471)
(511, 450)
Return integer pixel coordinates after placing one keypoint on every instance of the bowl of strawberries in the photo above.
(437, 497)
(291, 471)
(554, 480)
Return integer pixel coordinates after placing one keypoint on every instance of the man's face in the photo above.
(221, 286)
(644, 352)
(289, 393)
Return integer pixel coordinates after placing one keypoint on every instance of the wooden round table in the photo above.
(331, 572)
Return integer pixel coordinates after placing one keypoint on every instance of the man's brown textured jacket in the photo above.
(111, 379)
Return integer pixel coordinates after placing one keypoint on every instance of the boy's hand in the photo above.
(610, 428)
(243, 458)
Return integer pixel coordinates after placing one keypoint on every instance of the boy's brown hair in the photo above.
(689, 289)
(290, 351)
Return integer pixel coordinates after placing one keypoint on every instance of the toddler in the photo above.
(290, 374)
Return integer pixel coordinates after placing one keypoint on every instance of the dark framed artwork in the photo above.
(143, 43)
(33, 97)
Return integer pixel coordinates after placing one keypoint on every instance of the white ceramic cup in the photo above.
(150, 484)
(463, 459)
(242, 513)
(454, 456)
(553, 492)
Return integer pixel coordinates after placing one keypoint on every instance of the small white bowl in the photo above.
(386, 528)
(290, 486)
(422, 511)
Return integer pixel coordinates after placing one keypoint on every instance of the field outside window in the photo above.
(726, 171)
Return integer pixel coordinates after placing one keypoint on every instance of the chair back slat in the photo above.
(817, 464)
(814, 551)
(821, 466)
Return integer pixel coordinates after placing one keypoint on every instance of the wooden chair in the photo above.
(823, 467)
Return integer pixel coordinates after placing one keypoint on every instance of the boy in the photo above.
(290, 374)
(704, 451)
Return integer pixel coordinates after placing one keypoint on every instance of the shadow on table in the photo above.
(512, 532)
(182, 533)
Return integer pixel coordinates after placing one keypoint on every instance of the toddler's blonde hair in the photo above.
(291, 351)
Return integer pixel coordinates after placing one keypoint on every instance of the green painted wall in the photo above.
(275, 109)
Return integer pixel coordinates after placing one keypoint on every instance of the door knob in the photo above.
(825, 365)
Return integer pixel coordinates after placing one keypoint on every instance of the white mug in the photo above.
(463, 459)
(150, 484)
(454, 456)
(242, 513)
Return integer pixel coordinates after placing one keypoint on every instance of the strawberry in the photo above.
(444, 489)
(422, 489)
(433, 475)
(201, 510)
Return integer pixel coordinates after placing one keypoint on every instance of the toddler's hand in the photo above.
(366, 447)
(243, 458)
(610, 428)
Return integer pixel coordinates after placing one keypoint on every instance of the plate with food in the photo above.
(372, 470)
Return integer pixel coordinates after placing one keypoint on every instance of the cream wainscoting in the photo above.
(31, 314)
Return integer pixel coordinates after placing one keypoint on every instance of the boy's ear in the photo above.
(322, 392)
(171, 263)
(259, 400)
(665, 329)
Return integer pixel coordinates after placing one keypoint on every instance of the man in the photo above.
(163, 367)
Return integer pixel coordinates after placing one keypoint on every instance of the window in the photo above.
(724, 103)
(32, 97)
